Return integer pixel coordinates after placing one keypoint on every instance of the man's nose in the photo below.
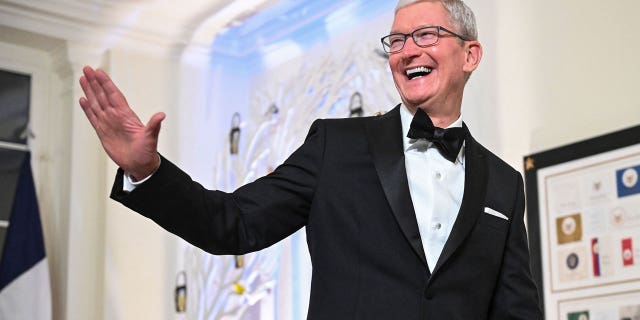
(411, 48)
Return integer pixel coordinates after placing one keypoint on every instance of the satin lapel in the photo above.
(475, 187)
(386, 148)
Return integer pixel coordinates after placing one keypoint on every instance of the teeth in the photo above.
(419, 71)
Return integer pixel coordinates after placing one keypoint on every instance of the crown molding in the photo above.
(161, 27)
(152, 26)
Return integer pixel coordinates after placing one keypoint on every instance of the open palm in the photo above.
(127, 141)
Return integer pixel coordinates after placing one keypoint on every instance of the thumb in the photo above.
(153, 126)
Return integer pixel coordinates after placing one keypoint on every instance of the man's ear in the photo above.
(473, 55)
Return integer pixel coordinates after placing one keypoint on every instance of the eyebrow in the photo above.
(416, 28)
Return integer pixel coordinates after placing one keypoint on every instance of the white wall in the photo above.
(139, 259)
(566, 72)
(586, 62)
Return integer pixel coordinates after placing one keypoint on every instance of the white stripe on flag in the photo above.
(28, 296)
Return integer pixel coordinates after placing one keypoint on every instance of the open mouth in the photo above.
(418, 72)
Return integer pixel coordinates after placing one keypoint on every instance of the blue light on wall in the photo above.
(291, 25)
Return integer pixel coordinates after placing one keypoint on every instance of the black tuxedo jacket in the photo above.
(347, 185)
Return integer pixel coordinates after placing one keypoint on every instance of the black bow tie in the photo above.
(448, 141)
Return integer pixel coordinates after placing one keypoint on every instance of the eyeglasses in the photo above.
(422, 37)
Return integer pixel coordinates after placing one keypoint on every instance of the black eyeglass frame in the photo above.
(387, 46)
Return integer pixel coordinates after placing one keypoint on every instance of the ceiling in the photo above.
(167, 22)
(240, 27)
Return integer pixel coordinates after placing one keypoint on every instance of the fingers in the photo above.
(100, 90)
(106, 107)
(114, 96)
(153, 126)
(96, 103)
(89, 103)
(88, 111)
(96, 79)
(85, 83)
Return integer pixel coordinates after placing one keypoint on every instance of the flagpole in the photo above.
(14, 146)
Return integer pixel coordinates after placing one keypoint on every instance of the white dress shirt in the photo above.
(436, 186)
(129, 185)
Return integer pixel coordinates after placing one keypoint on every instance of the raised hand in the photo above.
(127, 141)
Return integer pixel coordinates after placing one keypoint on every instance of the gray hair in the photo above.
(460, 16)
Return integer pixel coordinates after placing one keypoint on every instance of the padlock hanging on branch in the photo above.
(181, 292)
(234, 135)
(355, 105)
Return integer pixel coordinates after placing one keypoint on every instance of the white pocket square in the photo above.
(495, 213)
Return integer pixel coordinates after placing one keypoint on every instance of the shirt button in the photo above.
(438, 175)
(437, 226)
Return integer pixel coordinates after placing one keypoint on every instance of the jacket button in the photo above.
(428, 295)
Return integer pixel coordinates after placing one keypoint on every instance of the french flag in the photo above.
(25, 290)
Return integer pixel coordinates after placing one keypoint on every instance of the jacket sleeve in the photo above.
(516, 296)
(253, 217)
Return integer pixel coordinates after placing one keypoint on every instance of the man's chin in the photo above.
(416, 102)
(417, 94)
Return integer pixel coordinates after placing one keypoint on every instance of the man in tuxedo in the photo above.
(404, 219)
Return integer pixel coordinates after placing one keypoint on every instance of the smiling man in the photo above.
(431, 69)
(404, 219)
(468, 204)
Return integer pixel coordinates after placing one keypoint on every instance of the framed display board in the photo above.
(583, 216)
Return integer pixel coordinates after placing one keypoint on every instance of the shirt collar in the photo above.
(406, 117)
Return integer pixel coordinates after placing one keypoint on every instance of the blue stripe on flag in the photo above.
(24, 244)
